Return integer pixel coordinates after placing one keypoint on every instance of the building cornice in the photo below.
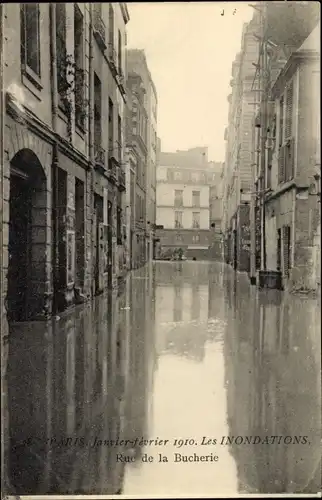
(297, 58)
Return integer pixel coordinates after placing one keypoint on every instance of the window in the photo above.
(286, 250)
(281, 121)
(289, 111)
(179, 238)
(97, 116)
(178, 220)
(61, 48)
(79, 67)
(111, 27)
(177, 176)
(30, 37)
(178, 198)
(99, 26)
(196, 220)
(279, 250)
(195, 176)
(196, 238)
(286, 141)
(196, 198)
(111, 125)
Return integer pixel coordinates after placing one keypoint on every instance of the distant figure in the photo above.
(194, 258)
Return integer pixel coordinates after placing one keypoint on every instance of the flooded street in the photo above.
(188, 360)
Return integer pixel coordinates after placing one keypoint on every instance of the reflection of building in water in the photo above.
(265, 334)
(141, 364)
(177, 305)
(186, 340)
(72, 384)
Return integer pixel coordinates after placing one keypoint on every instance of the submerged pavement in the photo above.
(190, 382)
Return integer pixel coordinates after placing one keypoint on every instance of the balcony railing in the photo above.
(178, 224)
(99, 30)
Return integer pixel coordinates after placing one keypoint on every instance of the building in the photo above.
(286, 205)
(63, 146)
(238, 163)
(142, 143)
(183, 195)
(215, 179)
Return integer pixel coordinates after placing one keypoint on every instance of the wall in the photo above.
(166, 194)
(166, 218)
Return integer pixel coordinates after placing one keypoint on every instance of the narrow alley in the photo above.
(187, 351)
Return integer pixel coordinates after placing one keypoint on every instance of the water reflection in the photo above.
(273, 371)
(70, 384)
(186, 349)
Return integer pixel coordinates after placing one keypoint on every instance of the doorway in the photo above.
(27, 245)
(19, 247)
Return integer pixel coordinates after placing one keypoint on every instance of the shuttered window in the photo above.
(286, 141)
(289, 160)
(286, 249)
(289, 111)
(281, 127)
(281, 164)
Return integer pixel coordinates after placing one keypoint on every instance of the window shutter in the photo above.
(286, 249)
(289, 111)
(281, 164)
(289, 160)
(281, 127)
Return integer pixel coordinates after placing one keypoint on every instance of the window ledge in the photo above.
(31, 76)
(80, 131)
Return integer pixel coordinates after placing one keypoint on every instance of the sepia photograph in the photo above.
(160, 250)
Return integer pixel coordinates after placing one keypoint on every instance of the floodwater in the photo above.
(190, 382)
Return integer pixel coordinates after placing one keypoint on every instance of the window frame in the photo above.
(27, 70)
(195, 224)
(194, 204)
(178, 221)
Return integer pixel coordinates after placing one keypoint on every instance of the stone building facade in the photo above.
(292, 209)
(142, 141)
(286, 205)
(62, 173)
(184, 180)
(238, 163)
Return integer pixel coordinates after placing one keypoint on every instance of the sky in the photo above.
(190, 48)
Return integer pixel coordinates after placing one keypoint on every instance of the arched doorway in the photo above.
(27, 237)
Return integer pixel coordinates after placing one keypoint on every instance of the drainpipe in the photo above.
(54, 111)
